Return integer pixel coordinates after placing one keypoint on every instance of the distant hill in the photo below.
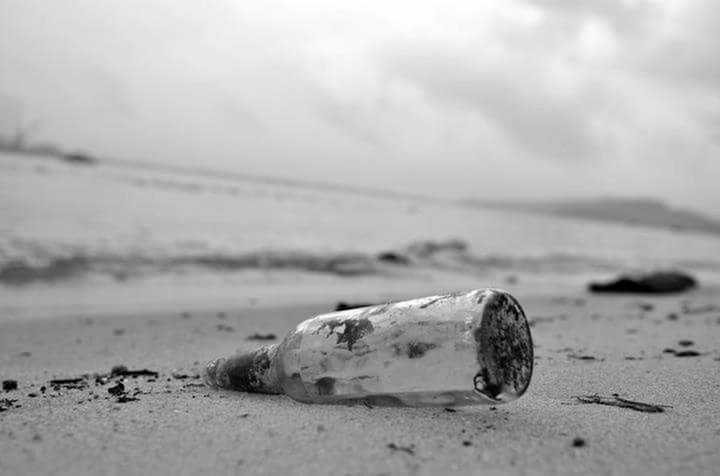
(641, 212)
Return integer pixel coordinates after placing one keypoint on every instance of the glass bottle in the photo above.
(457, 349)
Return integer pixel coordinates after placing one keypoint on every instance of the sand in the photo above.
(584, 345)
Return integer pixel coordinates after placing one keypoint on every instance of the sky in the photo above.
(499, 100)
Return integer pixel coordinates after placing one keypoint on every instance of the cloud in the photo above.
(616, 96)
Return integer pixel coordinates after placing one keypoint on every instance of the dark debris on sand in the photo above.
(115, 379)
(688, 309)
(617, 401)
(116, 376)
(78, 383)
(405, 449)
(7, 404)
(583, 357)
(125, 398)
(182, 376)
(117, 389)
(123, 371)
(682, 353)
(257, 336)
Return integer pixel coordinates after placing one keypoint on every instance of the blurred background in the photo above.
(152, 151)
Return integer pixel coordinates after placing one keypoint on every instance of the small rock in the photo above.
(579, 442)
(393, 257)
(8, 385)
(685, 343)
(658, 282)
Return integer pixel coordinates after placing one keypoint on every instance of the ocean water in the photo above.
(64, 225)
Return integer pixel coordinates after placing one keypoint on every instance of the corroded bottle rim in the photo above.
(504, 348)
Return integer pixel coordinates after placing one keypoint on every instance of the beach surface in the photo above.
(172, 424)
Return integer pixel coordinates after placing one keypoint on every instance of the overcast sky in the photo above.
(480, 98)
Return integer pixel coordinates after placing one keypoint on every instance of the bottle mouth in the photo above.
(504, 349)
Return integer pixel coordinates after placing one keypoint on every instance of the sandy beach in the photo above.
(585, 345)
(185, 183)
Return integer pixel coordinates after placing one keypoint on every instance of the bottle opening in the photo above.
(504, 349)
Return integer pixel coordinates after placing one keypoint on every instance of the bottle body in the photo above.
(457, 349)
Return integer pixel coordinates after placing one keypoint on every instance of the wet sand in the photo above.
(584, 345)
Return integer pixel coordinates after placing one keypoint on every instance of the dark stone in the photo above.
(8, 385)
(658, 282)
(685, 343)
(393, 257)
(687, 353)
(579, 442)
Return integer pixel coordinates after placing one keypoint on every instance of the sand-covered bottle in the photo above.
(457, 349)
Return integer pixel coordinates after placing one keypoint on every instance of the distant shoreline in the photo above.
(626, 211)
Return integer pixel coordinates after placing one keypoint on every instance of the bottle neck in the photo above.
(252, 371)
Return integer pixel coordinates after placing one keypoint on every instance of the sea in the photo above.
(69, 230)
